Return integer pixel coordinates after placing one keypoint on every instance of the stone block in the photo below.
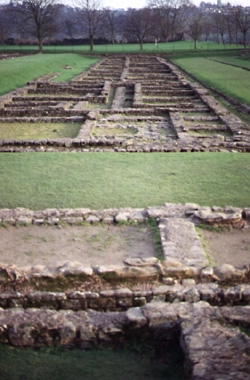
(67, 333)
(136, 317)
(224, 272)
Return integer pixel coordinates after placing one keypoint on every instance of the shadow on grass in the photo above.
(134, 361)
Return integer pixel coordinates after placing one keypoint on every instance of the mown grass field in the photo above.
(15, 73)
(105, 180)
(234, 61)
(231, 80)
(125, 48)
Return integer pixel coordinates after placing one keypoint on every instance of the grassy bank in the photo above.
(232, 81)
(17, 72)
(104, 180)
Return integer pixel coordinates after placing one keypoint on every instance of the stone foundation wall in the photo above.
(180, 298)
(183, 255)
(124, 298)
(214, 348)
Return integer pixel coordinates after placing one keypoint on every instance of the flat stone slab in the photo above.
(180, 242)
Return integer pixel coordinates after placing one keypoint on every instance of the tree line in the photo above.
(88, 22)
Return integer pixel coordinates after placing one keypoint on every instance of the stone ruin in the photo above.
(132, 104)
(179, 298)
(127, 104)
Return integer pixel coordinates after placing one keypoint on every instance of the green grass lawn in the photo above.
(237, 61)
(15, 73)
(232, 81)
(105, 364)
(38, 130)
(104, 180)
(162, 47)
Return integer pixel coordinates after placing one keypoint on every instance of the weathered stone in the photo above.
(207, 274)
(92, 219)
(181, 242)
(192, 295)
(160, 313)
(73, 269)
(180, 273)
(233, 219)
(138, 301)
(188, 282)
(23, 220)
(38, 222)
(86, 332)
(141, 262)
(73, 304)
(136, 317)
(67, 333)
(21, 336)
(224, 272)
(72, 219)
(113, 272)
(76, 212)
(122, 216)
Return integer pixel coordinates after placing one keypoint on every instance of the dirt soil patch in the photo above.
(229, 247)
(89, 245)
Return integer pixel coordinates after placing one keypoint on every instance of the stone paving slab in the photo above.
(180, 242)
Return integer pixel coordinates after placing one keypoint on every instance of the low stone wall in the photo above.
(122, 299)
(183, 255)
(213, 347)
(179, 298)
(226, 216)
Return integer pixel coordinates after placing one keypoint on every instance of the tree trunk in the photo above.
(91, 43)
(245, 40)
(40, 43)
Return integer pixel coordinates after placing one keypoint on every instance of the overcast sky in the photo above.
(142, 3)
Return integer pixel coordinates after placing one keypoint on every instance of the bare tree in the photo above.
(5, 24)
(36, 18)
(207, 27)
(194, 24)
(111, 24)
(170, 16)
(90, 15)
(220, 24)
(139, 25)
(67, 21)
(242, 21)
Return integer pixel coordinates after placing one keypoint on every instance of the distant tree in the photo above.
(139, 25)
(220, 23)
(242, 22)
(111, 24)
(194, 24)
(90, 15)
(170, 16)
(36, 18)
(5, 24)
(207, 27)
(67, 22)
